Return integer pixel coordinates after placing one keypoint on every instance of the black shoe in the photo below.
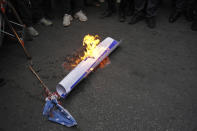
(122, 17)
(136, 18)
(174, 16)
(130, 13)
(151, 22)
(194, 26)
(106, 14)
(189, 15)
(2, 82)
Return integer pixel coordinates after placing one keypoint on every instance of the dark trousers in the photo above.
(40, 8)
(31, 10)
(126, 5)
(189, 9)
(191, 4)
(111, 5)
(149, 6)
(178, 5)
(195, 11)
(24, 10)
(72, 6)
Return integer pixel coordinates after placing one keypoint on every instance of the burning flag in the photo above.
(95, 52)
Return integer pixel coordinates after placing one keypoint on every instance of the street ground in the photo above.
(150, 85)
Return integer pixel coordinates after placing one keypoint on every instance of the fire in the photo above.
(105, 62)
(90, 42)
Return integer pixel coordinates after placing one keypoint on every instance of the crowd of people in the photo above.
(32, 11)
(147, 9)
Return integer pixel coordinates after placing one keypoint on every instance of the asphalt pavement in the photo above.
(150, 84)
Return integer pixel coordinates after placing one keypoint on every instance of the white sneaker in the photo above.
(32, 31)
(46, 22)
(81, 16)
(67, 19)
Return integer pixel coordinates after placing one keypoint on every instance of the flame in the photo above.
(90, 42)
(105, 62)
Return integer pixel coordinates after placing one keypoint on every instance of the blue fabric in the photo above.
(58, 114)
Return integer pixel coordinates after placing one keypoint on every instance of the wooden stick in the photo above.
(42, 83)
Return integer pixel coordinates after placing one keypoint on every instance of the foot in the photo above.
(106, 14)
(122, 17)
(136, 18)
(2, 82)
(130, 13)
(67, 20)
(194, 26)
(151, 22)
(189, 14)
(174, 16)
(33, 32)
(81, 16)
(46, 22)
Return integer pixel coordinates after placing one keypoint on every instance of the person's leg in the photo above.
(46, 7)
(180, 5)
(122, 10)
(36, 8)
(2, 82)
(177, 11)
(78, 7)
(112, 5)
(110, 8)
(23, 8)
(151, 11)
(67, 12)
(130, 8)
(67, 7)
(194, 24)
(126, 8)
(139, 5)
(189, 10)
(173, 3)
(139, 11)
(38, 11)
(24, 11)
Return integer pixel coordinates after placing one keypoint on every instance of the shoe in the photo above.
(194, 26)
(174, 16)
(46, 22)
(136, 18)
(130, 13)
(67, 19)
(81, 16)
(151, 22)
(122, 17)
(2, 82)
(106, 14)
(189, 14)
(33, 32)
